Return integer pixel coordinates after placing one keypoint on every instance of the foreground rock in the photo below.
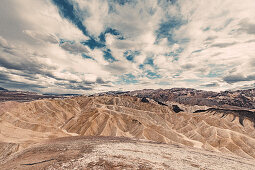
(119, 153)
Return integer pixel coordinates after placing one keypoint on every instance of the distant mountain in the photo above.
(110, 93)
(23, 96)
(3, 89)
(239, 99)
(67, 94)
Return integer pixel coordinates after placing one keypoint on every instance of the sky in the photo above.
(91, 46)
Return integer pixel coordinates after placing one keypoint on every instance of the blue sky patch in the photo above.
(175, 54)
(108, 56)
(86, 56)
(149, 61)
(110, 31)
(206, 29)
(141, 66)
(152, 75)
(63, 41)
(166, 29)
(123, 2)
(68, 11)
(92, 44)
(127, 79)
(130, 55)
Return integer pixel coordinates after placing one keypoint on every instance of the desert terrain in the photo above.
(119, 131)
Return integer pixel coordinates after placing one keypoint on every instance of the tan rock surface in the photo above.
(29, 123)
(120, 153)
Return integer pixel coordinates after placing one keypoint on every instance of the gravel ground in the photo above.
(120, 153)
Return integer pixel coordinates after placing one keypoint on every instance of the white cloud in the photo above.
(215, 39)
(43, 16)
(95, 13)
(43, 37)
(3, 42)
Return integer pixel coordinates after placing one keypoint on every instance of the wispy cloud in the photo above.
(77, 46)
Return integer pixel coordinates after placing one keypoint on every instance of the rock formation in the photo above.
(229, 99)
(24, 126)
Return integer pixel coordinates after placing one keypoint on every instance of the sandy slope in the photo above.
(29, 123)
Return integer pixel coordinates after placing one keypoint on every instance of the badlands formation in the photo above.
(144, 134)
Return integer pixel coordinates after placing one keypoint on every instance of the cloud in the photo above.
(247, 27)
(42, 36)
(16, 59)
(77, 46)
(238, 78)
(223, 45)
(116, 68)
(74, 47)
(99, 80)
(214, 84)
(3, 43)
(69, 11)
(95, 12)
(187, 66)
(7, 81)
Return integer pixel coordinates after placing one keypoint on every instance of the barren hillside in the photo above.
(23, 124)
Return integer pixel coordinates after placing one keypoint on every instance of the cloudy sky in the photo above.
(88, 46)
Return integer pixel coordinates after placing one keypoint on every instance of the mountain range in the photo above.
(163, 129)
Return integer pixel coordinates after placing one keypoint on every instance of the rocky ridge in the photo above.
(222, 130)
(239, 99)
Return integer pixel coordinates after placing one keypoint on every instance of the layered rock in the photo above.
(32, 122)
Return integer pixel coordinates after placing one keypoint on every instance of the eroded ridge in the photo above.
(32, 122)
(241, 114)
